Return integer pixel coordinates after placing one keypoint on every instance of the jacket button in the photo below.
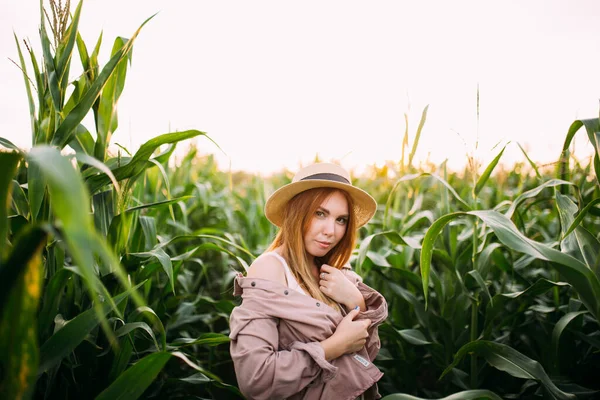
(318, 304)
(286, 292)
(253, 283)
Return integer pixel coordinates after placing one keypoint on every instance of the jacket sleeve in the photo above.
(376, 310)
(377, 313)
(263, 371)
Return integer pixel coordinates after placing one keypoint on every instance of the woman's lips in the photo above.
(323, 245)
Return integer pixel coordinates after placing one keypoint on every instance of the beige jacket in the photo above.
(275, 335)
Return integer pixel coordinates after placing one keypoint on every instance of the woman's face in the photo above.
(328, 225)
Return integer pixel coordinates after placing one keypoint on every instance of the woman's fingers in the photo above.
(328, 268)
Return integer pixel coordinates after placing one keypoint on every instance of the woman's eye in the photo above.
(343, 221)
(320, 214)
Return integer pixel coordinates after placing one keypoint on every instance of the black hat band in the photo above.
(327, 177)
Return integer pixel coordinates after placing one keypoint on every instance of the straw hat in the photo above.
(315, 176)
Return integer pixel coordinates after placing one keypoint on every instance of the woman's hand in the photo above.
(350, 336)
(333, 283)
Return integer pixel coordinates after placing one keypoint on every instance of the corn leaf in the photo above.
(66, 49)
(488, 172)
(8, 166)
(27, 88)
(417, 136)
(558, 330)
(139, 163)
(392, 236)
(8, 144)
(533, 193)
(581, 244)
(107, 121)
(465, 395)
(574, 272)
(163, 258)
(591, 126)
(414, 337)
(498, 306)
(133, 382)
(580, 216)
(66, 339)
(20, 285)
(509, 360)
(53, 293)
(65, 131)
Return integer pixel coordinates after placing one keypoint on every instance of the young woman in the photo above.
(307, 325)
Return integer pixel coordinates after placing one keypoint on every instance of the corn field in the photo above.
(116, 269)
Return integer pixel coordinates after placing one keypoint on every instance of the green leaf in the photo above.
(197, 379)
(89, 160)
(18, 309)
(581, 244)
(533, 193)
(477, 276)
(84, 56)
(494, 309)
(408, 296)
(195, 366)
(82, 141)
(64, 61)
(148, 225)
(531, 163)
(27, 88)
(488, 172)
(163, 258)
(591, 126)
(392, 236)
(580, 216)
(414, 336)
(70, 204)
(465, 395)
(36, 189)
(132, 383)
(207, 339)
(66, 129)
(150, 315)
(65, 340)
(559, 329)
(583, 279)
(204, 236)
(159, 203)
(51, 74)
(407, 178)
(9, 145)
(417, 136)
(52, 295)
(8, 166)
(131, 326)
(482, 263)
(30, 237)
(139, 163)
(107, 110)
(509, 360)
(427, 249)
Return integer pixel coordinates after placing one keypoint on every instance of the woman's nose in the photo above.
(328, 226)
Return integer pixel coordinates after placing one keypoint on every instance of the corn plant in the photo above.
(77, 240)
(510, 280)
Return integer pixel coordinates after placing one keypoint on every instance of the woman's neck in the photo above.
(314, 268)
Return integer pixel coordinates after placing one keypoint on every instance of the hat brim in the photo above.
(364, 204)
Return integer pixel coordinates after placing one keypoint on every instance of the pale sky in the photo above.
(275, 82)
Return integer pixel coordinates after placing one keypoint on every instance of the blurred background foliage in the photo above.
(116, 269)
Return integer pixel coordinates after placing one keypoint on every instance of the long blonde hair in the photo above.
(298, 215)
